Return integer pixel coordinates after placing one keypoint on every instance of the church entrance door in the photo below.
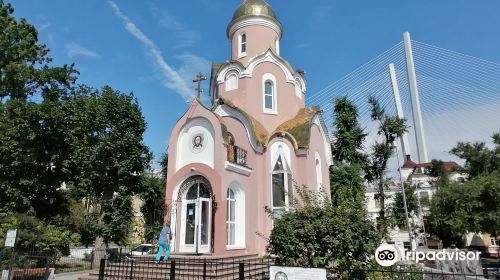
(196, 218)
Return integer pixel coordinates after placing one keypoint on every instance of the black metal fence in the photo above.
(36, 264)
(184, 269)
(235, 269)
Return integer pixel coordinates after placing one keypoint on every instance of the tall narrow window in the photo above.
(243, 44)
(319, 174)
(424, 199)
(269, 95)
(235, 217)
(282, 187)
(231, 218)
(277, 40)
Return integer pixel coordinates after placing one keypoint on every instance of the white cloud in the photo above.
(184, 38)
(74, 50)
(44, 26)
(176, 80)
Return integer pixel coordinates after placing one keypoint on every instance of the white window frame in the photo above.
(239, 215)
(242, 53)
(493, 241)
(421, 197)
(274, 110)
(319, 172)
(286, 180)
(277, 40)
(230, 75)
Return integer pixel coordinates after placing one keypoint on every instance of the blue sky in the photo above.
(154, 48)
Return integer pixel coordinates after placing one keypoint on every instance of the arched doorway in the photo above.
(196, 216)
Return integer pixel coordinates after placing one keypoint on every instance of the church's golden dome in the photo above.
(254, 8)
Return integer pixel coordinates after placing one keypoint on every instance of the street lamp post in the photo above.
(404, 197)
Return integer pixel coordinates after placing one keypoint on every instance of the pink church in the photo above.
(227, 163)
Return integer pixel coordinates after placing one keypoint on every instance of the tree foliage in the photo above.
(390, 129)
(32, 124)
(473, 206)
(479, 158)
(318, 234)
(346, 174)
(397, 209)
(107, 155)
(63, 144)
(153, 196)
(24, 69)
(34, 234)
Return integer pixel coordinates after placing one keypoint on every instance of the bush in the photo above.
(320, 235)
(33, 234)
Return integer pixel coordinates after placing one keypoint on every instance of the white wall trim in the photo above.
(221, 78)
(326, 140)
(238, 168)
(226, 111)
(251, 21)
(269, 57)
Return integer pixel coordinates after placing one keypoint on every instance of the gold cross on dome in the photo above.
(199, 78)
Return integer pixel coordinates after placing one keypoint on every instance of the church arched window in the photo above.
(242, 44)
(269, 93)
(282, 185)
(235, 216)
(231, 82)
(319, 173)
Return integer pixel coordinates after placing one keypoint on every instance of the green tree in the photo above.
(346, 174)
(397, 209)
(153, 197)
(473, 206)
(318, 234)
(32, 124)
(83, 219)
(34, 234)
(439, 173)
(107, 156)
(390, 129)
(479, 158)
(24, 63)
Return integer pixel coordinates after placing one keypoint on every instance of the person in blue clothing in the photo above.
(164, 244)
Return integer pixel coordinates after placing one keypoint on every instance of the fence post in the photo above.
(204, 269)
(131, 269)
(172, 270)
(242, 272)
(102, 266)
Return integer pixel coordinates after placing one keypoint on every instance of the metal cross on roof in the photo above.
(199, 78)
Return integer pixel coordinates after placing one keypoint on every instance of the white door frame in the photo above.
(204, 248)
(197, 247)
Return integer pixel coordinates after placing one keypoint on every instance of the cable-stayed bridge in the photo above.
(459, 96)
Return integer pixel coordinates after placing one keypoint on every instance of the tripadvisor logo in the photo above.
(388, 255)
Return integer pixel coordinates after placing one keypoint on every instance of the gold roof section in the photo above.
(254, 8)
(300, 126)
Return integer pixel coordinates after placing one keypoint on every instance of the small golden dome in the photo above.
(254, 8)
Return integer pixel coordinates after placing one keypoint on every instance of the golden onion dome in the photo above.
(254, 8)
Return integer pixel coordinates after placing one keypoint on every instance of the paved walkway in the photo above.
(72, 275)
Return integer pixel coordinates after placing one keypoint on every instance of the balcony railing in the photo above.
(237, 155)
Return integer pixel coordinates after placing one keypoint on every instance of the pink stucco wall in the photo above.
(249, 96)
(259, 40)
